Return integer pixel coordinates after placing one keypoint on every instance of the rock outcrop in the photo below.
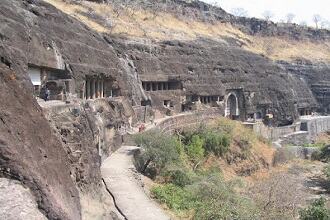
(46, 160)
(58, 157)
(31, 153)
(317, 76)
(210, 68)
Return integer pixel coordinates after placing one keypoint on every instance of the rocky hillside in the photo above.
(210, 51)
(31, 153)
(191, 20)
(150, 26)
(63, 176)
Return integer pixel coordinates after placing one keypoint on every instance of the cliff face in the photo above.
(31, 154)
(213, 68)
(59, 165)
(59, 157)
(35, 32)
(317, 76)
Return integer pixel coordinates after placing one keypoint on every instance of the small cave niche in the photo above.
(146, 102)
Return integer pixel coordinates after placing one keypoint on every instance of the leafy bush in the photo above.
(180, 177)
(174, 197)
(195, 149)
(324, 154)
(218, 200)
(158, 150)
(315, 211)
(326, 171)
(210, 197)
(224, 125)
(216, 143)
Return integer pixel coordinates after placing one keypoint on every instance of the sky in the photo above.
(303, 9)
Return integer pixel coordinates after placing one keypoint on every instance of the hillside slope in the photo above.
(184, 21)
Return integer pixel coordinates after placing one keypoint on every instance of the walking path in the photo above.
(123, 182)
(121, 179)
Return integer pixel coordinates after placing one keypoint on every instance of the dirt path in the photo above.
(122, 180)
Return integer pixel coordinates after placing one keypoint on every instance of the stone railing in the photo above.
(311, 125)
(315, 124)
(274, 133)
(187, 120)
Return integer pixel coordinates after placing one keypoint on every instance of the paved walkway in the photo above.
(121, 179)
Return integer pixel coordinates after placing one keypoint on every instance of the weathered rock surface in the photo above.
(35, 32)
(210, 68)
(317, 76)
(31, 154)
(17, 202)
(58, 164)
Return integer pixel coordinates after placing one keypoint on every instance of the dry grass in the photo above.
(164, 26)
(259, 154)
(323, 139)
(286, 49)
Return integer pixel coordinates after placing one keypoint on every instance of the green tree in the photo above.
(158, 150)
(315, 211)
(216, 143)
(195, 149)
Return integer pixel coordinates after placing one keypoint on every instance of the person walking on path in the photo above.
(47, 93)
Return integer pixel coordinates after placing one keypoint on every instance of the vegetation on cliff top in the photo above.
(134, 21)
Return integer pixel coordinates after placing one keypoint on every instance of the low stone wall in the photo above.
(302, 152)
(315, 125)
(274, 133)
(298, 138)
(187, 120)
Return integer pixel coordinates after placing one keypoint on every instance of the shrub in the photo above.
(180, 178)
(158, 150)
(315, 211)
(217, 199)
(173, 196)
(324, 155)
(225, 125)
(216, 143)
(195, 149)
(326, 172)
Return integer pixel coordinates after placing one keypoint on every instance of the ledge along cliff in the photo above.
(104, 77)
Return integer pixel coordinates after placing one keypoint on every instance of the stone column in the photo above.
(161, 86)
(93, 89)
(98, 88)
(88, 89)
(166, 85)
(102, 88)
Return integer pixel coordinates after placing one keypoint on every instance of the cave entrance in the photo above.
(232, 110)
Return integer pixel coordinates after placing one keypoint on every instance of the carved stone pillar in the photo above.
(88, 89)
(93, 89)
